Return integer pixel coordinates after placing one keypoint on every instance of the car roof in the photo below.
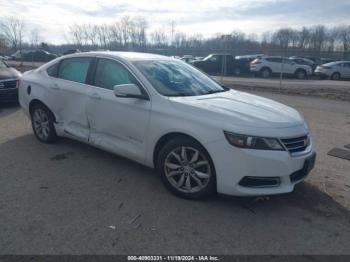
(337, 62)
(123, 55)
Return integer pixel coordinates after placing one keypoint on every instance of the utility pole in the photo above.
(172, 32)
(282, 66)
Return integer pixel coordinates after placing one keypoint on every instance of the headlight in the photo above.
(253, 142)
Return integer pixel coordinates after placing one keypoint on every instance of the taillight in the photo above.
(17, 83)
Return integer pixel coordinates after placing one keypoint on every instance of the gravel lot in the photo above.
(70, 198)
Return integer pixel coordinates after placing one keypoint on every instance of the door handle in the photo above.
(95, 96)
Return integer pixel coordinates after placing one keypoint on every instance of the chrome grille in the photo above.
(5, 84)
(297, 144)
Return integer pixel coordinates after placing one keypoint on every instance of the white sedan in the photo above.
(334, 70)
(201, 137)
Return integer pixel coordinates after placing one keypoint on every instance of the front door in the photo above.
(117, 124)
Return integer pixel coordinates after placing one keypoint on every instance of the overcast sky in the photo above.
(207, 17)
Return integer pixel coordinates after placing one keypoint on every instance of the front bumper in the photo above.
(9, 95)
(321, 74)
(234, 164)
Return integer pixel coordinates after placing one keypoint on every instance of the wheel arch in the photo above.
(265, 68)
(299, 69)
(168, 137)
(36, 102)
(336, 72)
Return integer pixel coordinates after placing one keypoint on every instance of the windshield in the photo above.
(176, 78)
(3, 64)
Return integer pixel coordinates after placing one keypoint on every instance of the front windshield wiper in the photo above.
(216, 91)
(180, 94)
(188, 94)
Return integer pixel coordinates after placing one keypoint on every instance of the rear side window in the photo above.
(110, 73)
(52, 70)
(74, 69)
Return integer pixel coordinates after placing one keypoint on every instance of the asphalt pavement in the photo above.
(70, 198)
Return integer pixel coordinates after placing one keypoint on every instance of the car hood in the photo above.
(6, 73)
(242, 109)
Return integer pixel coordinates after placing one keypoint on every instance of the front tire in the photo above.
(300, 74)
(335, 76)
(265, 73)
(186, 169)
(43, 124)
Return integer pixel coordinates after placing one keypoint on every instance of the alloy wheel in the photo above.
(187, 169)
(41, 124)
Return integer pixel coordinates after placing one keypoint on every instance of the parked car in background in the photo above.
(188, 58)
(226, 64)
(269, 65)
(327, 60)
(304, 61)
(39, 56)
(71, 51)
(249, 58)
(8, 83)
(201, 138)
(334, 70)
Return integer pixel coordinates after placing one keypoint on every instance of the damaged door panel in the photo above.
(71, 95)
(117, 124)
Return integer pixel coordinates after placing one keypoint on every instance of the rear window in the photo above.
(74, 69)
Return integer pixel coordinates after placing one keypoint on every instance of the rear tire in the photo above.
(335, 76)
(265, 72)
(186, 169)
(300, 74)
(43, 124)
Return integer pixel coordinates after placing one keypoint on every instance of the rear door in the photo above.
(117, 124)
(274, 63)
(289, 66)
(70, 95)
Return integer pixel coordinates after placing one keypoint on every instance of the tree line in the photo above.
(134, 33)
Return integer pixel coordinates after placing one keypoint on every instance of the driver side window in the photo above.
(110, 73)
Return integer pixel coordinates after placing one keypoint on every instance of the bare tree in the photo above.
(76, 33)
(304, 37)
(159, 38)
(34, 37)
(12, 29)
(318, 37)
(140, 27)
(116, 34)
(344, 37)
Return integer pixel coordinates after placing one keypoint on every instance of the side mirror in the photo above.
(129, 91)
